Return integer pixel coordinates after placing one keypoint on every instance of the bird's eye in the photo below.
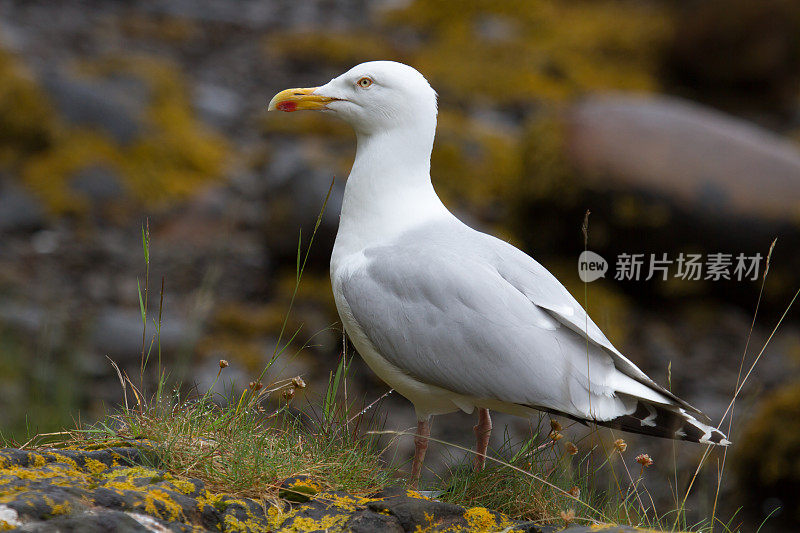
(364, 83)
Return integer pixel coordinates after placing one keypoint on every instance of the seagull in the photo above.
(453, 318)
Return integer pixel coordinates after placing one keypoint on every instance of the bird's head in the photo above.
(373, 96)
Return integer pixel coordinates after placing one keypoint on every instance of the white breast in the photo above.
(427, 399)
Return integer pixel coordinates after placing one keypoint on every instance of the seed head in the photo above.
(555, 435)
(568, 516)
(298, 382)
(554, 425)
(571, 448)
(288, 394)
(644, 460)
(223, 363)
(620, 445)
(575, 492)
(255, 385)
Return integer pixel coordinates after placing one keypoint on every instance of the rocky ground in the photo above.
(113, 490)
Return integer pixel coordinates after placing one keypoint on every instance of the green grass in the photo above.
(249, 445)
(547, 479)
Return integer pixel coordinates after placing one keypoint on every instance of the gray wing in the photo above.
(544, 290)
(447, 316)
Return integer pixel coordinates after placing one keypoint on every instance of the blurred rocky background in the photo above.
(676, 122)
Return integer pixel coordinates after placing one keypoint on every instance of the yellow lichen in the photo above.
(276, 516)
(480, 519)
(155, 493)
(48, 174)
(543, 49)
(347, 502)
(183, 486)
(132, 472)
(427, 527)
(233, 524)
(7, 526)
(474, 164)
(326, 523)
(307, 483)
(53, 471)
(172, 510)
(61, 458)
(338, 49)
(60, 508)
(178, 154)
(121, 479)
(170, 159)
(94, 466)
(36, 460)
(112, 443)
(155, 500)
(26, 118)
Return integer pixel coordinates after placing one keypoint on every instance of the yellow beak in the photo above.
(299, 99)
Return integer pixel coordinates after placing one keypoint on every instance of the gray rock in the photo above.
(370, 521)
(117, 332)
(287, 163)
(103, 521)
(217, 105)
(19, 210)
(45, 242)
(24, 318)
(414, 512)
(115, 105)
(685, 151)
(98, 183)
(258, 14)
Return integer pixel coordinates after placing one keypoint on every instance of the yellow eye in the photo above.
(364, 83)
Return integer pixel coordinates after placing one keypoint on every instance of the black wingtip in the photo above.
(667, 421)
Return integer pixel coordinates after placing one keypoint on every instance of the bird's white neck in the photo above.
(389, 189)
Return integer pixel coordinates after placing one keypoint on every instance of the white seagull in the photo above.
(453, 318)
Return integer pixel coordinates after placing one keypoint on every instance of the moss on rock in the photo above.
(521, 51)
(168, 160)
(74, 489)
(26, 118)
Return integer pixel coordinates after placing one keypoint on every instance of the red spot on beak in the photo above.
(287, 106)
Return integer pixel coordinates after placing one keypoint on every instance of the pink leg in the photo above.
(420, 447)
(482, 432)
